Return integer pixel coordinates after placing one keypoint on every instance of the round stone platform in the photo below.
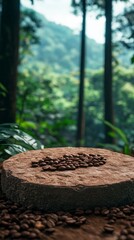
(109, 184)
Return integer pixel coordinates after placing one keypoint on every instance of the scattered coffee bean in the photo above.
(50, 230)
(108, 229)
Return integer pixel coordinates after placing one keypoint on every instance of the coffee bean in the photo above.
(111, 221)
(105, 212)
(82, 219)
(5, 223)
(53, 168)
(50, 224)
(130, 237)
(16, 235)
(122, 237)
(124, 231)
(24, 226)
(6, 217)
(62, 168)
(132, 223)
(108, 229)
(79, 212)
(6, 233)
(70, 221)
(25, 234)
(50, 230)
(32, 235)
(13, 231)
(97, 211)
(59, 223)
(131, 231)
(42, 164)
(47, 167)
(39, 225)
(54, 217)
(88, 212)
(16, 227)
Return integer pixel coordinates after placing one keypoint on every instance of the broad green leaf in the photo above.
(35, 144)
(118, 131)
(13, 141)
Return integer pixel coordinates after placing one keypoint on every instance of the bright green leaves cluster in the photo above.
(14, 141)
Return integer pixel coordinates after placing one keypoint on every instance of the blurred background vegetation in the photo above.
(40, 77)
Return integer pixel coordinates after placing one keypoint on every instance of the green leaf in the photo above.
(118, 131)
(127, 150)
(13, 141)
(3, 88)
(27, 139)
(14, 149)
(112, 134)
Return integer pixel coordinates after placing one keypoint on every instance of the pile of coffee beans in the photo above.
(69, 162)
(17, 222)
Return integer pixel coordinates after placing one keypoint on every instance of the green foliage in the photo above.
(125, 22)
(47, 94)
(53, 99)
(121, 136)
(51, 103)
(59, 45)
(14, 141)
(30, 22)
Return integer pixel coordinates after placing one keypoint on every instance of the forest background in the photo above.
(48, 82)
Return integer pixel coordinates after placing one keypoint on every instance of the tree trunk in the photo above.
(81, 119)
(9, 44)
(108, 97)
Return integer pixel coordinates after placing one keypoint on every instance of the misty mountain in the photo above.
(60, 47)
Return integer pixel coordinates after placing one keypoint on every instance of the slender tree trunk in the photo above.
(81, 118)
(9, 44)
(108, 97)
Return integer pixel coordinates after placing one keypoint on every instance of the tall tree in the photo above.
(9, 44)
(108, 95)
(108, 99)
(81, 118)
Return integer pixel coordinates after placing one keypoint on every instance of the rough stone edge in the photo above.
(55, 198)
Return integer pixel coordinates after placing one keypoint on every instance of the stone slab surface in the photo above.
(111, 184)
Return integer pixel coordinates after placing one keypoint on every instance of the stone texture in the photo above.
(111, 184)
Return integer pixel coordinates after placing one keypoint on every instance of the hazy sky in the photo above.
(60, 12)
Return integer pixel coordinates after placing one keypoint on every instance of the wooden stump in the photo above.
(111, 184)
